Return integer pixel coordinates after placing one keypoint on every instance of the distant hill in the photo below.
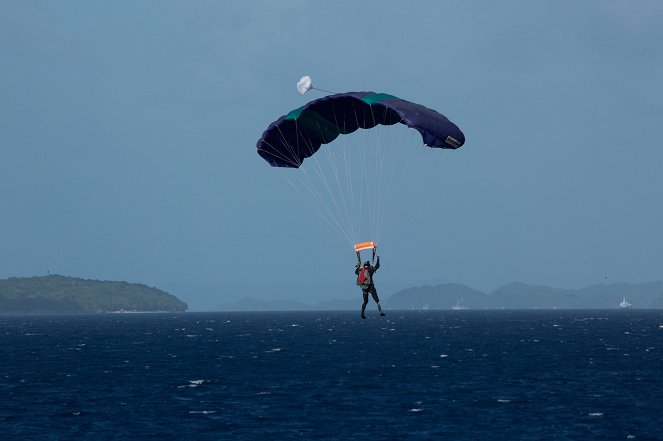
(60, 294)
(445, 296)
(518, 295)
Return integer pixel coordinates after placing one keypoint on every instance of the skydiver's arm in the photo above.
(377, 265)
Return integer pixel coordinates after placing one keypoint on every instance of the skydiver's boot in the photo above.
(380, 309)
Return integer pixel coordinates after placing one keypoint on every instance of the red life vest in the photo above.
(364, 278)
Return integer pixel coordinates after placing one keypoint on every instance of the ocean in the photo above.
(412, 375)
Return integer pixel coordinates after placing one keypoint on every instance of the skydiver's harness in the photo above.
(364, 278)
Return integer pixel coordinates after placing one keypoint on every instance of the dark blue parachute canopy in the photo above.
(299, 134)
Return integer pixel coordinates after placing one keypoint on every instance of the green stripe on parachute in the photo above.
(377, 97)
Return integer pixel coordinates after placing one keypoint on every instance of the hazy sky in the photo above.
(128, 137)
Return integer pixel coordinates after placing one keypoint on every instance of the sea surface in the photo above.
(412, 375)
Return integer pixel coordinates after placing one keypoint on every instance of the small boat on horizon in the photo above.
(625, 304)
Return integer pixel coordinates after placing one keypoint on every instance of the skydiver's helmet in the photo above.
(367, 264)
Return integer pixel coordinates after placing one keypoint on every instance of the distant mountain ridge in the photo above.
(518, 295)
(514, 295)
(61, 294)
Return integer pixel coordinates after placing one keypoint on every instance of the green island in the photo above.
(61, 294)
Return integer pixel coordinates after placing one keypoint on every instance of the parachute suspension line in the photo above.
(393, 178)
(347, 166)
(374, 192)
(379, 166)
(426, 159)
(385, 187)
(316, 201)
(289, 147)
(331, 211)
(334, 166)
(307, 182)
(385, 149)
(333, 225)
(362, 165)
(370, 193)
(370, 186)
(344, 185)
(337, 214)
(340, 203)
(348, 179)
(440, 162)
(394, 148)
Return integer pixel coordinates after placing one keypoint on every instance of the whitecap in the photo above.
(595, 414)
(202, 412)
(502, 400)
(444, 355)
(416, 409)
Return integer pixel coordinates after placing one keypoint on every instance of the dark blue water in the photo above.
(461, 375)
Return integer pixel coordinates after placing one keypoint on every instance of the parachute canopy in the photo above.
(299, 134)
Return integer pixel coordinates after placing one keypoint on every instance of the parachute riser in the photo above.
(365, 246)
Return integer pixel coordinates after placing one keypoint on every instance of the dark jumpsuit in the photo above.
(370, 288)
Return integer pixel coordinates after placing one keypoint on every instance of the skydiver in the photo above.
(365, 282)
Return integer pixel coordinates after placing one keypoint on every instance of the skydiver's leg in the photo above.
(374, 293)
(363, 305)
